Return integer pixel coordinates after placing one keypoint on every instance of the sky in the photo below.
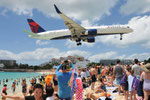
(15, 43)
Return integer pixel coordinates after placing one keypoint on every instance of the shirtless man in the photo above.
(93, 74)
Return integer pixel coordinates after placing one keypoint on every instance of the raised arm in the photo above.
(58, 68)
(72, 66)
(13, 97)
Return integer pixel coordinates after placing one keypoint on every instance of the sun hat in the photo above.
(146, 68)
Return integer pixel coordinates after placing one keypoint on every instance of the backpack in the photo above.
(123, 80)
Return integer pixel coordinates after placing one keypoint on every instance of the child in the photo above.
(4, 91)
(13, 87)
(130, 82)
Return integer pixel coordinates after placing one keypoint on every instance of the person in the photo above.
(83, 73)
(4, 91)
(24, 87)
(63, 77)
(37, 91)
(101, 87)
(31, 90)
(130, 78)
(93, 74)
(118, 71)
(49, 93)
(84, 83)
(145, 76)
(103, 72)
(55, 83)
(87, 73)
(137, 69)
(13, 87)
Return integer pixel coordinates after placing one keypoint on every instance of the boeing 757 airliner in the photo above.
(75, 32)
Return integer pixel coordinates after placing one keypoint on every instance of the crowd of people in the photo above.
(132, 81)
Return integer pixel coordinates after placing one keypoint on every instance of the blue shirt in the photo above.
(63, 78)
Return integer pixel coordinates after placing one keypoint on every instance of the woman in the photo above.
(24, 87)
(145, 76)
(37, 91)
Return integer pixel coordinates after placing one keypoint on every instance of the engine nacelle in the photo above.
(92, 32)
(90, 39)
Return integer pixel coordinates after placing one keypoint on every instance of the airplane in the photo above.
(75, 32)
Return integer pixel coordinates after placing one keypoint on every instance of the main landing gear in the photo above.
(78, 42)
(121, 36)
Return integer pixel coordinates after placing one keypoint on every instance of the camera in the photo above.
(66, 61)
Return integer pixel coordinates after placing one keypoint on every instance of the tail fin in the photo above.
(35, 27)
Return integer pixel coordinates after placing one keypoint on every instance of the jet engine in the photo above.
(90, 39)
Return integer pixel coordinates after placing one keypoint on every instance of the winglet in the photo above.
(57, 10)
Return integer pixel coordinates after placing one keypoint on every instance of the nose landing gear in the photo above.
(121, 36)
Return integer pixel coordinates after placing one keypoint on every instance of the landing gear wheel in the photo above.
(120, 36)
(78, 43)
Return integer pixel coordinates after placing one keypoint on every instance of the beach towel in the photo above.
(124, 80)
(79, 89)
(135, 83)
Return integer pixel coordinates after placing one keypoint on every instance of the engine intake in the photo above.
(92, 31)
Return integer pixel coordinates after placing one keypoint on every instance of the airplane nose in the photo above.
(130, 30)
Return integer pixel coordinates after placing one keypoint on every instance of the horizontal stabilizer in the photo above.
(30, 33)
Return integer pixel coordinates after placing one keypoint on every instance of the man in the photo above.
(137, 69)
(118, 71)
(38, 94)
(63, 76)
(93, 74)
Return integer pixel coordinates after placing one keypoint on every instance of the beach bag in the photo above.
(135, 83)
(123, 80)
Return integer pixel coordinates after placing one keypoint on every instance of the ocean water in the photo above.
(11, 76)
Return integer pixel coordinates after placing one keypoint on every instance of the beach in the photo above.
(12, 76)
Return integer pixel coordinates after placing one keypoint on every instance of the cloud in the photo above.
(115, 55)
(77, 9)
(135, 6)
(107, 55)
(40, 42)
(140, 35)
(40, 55)
(141, 56)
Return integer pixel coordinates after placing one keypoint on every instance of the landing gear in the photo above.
(120, 36)
(78, 42)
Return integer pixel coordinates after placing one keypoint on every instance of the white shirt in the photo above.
(50, 98)
(83, 74)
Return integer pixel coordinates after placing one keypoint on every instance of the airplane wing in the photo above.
(75, 28)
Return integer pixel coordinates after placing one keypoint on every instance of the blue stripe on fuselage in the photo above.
(82, 36)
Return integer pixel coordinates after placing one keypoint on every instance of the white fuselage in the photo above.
(66, 34)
